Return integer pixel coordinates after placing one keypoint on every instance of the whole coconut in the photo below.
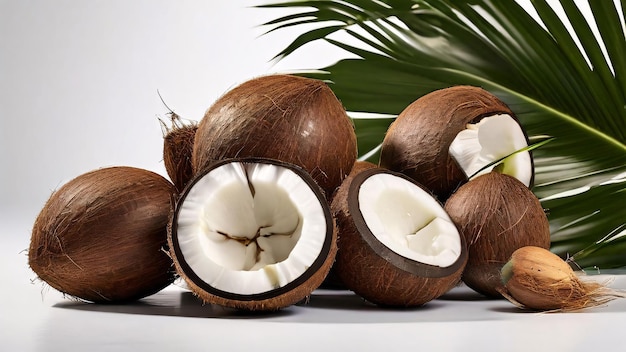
(497, 214)
(102, 237)
(288, 118)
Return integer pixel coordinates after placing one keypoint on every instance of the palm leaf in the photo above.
(558, 81)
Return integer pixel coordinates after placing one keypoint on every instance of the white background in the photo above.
(78, 91)
(79, 81)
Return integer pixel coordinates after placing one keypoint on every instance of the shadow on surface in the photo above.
(347, 300)
(323, 307)
(466, 294)
(513, 310)
(172, 303)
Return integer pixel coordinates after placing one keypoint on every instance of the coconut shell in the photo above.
(497, 214)
(417, 142)
(178, 143)
(375, 272)
(102, 237)
(332, 280)
(289, 118)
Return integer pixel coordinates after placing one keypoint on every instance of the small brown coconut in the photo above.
(535, 278)
(178, 139)
(397, 246)
(253, 234)
(422, 142)
(101, 236)
(289, 118)
(497, 214)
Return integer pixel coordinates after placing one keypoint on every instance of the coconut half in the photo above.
(398, 246)
(253, 234)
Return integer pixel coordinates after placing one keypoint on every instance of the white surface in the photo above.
(78, 83)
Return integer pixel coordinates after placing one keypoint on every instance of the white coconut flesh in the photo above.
(408, 220)
(492, 138)
(249, 228)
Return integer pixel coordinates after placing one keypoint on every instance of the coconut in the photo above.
(101, 236)
(445, 137)
(332, 280)
(535, 278)
(397, 245)
(178, 139)
(253, 234)
(294, 119)
(497, 214)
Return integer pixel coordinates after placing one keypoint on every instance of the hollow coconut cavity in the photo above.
(253, 234)
(398, 247)
(446, 136)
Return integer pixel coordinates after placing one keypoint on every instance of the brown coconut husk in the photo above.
(537, 279)
(497, 214)
(102, 237)
(284, 117)
(178, 139)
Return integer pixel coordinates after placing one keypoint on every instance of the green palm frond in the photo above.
(550, 69)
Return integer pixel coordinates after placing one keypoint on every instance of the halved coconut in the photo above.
(446, 136)
(398, 247)
(253, 234)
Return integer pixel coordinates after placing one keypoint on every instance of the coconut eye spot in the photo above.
(250, 228)
(488, 140)
(408, 220)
